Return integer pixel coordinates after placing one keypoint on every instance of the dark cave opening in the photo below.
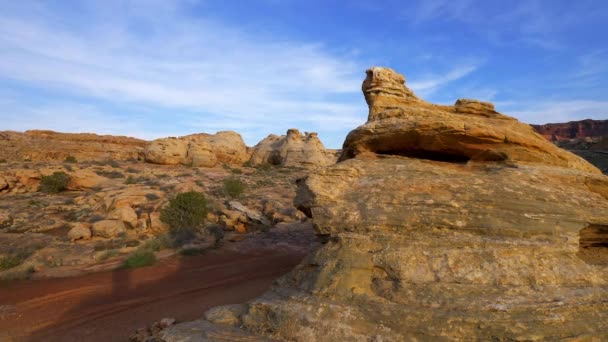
(440, 156)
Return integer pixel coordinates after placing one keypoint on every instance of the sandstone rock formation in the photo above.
(198, 150)
(48, 145)
(293, 150)
(573, 130)
(443, 223)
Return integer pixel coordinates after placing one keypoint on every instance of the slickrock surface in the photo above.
(292, 150)
(574, 129)
(49, 145)
(444, 223)
(204, 150)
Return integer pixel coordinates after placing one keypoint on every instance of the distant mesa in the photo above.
(573, 130)
(586, 138)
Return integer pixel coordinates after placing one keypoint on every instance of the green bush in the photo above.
(186, 211)
(140, 258)
(233, 187)
(110, 174)
(54, 183)
(236, 171)
(70, 159)
(9, 262)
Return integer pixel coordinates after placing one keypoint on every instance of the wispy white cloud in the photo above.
(547, 111)
(217, 73)
(430, 84)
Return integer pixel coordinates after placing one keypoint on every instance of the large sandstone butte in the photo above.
(202, 149)
(292, 150)
(442, 223)
(48, 145)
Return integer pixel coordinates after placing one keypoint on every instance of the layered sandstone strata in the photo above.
(49, 145)
(293, 150)
(443, 223)
(204, 150)
(573, 130)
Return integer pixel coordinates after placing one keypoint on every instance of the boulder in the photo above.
(108, 228)
(30, 179)
(125, 214)
(251, 214)
(79, 231)
(431, 236)
(85, 179)
(227, 314)
(203, 150)
(293, 150)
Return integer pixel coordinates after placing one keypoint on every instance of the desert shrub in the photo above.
(162, 175)
(54, 183)
(191, 251)
(17, 256)
(185, 211)
(108, 254)
(9, 262)
(233, 187)
(140, 258)
(152, 197)
(110, 174)
(263, 167)
(247, 164)
(2, 161)
(70, 159)
(132, 170)
(112, 163)
(236, 171)
(158, 243)
(184, 214)
(130, 180)
(68, 167)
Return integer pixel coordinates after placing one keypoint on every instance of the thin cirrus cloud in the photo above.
(205, 75)
(159, 68)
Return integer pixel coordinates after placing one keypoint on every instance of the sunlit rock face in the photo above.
(40, 145)
(292, 150)
(445, 223)
(205, 150)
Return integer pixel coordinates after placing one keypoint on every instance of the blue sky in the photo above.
(156, 68)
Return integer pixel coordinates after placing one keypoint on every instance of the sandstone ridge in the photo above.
(442, 223)
(38, 145)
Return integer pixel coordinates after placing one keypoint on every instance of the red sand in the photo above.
(109, 306)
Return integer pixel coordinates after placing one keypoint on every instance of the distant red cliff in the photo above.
(573, 129)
